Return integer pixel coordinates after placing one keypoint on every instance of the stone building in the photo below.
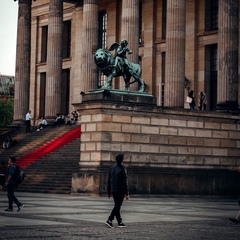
(6, 86)
(181, 45)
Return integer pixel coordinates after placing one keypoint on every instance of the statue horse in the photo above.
(105, 61)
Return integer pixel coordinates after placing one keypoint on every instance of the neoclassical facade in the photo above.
(181, 45)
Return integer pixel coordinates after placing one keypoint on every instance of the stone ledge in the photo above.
(118, 96)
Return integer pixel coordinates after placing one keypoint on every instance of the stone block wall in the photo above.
(166, 151)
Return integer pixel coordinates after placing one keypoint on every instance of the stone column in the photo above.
(130, 31)
(227, 86)
(76, 52)
(175, 54)
(22, 72)
(54, 59)
(89, 45)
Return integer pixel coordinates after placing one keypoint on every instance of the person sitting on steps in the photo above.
(8, 142)
(43, 124)
(57, 122)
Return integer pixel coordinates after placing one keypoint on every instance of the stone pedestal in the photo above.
(166, 151)
(118, 96)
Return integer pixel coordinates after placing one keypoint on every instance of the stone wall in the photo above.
(166, 151)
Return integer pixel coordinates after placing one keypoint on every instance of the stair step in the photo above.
(43, 176)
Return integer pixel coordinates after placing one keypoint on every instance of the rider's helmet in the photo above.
(124, 42)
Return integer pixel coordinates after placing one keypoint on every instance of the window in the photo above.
(213, 59)
(42, 94)
(102, 30)
(102, 42)
(140, 24)
(163, 78)
(211, 15)
(67, 39)
(65, 91)
(164, 18)
(211, 75)
(44, 44)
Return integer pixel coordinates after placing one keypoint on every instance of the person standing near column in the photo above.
(28, 121)
(202, 100)
(118, 188)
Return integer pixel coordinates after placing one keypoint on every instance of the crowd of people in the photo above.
(73, 118)
(59, 120)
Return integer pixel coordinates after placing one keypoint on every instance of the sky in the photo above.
(8, 36)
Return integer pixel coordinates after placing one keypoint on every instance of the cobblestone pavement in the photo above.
(53, 217)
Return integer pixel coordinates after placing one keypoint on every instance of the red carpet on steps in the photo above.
(49, 147)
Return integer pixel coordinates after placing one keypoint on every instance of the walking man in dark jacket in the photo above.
(11, 184)
(118, 188)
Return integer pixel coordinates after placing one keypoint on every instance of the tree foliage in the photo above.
(6, 111)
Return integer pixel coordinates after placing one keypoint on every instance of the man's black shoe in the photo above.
(109, 223)
(121, 225)
(234, 220)
(20, 207)
(8, 210)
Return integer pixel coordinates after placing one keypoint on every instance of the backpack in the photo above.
(19, 175)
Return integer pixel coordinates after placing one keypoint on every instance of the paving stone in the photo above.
(60, 216)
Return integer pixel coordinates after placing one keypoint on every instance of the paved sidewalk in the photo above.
(53, 217)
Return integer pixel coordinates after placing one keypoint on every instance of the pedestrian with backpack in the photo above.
(11, 184)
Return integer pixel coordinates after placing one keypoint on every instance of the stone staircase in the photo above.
(52, 173)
